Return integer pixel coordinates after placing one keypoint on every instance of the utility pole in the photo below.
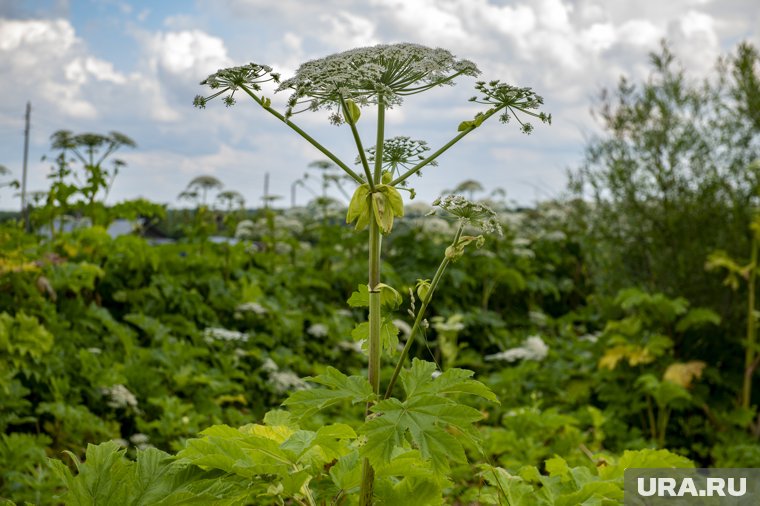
(24, 210)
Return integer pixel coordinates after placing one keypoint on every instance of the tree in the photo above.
(671, 180)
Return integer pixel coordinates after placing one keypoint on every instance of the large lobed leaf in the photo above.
(429, 417)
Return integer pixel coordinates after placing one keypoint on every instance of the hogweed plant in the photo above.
(403, 449)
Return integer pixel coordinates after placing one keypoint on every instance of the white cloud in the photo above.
(188, 52)
(39, 57)
(346, 31)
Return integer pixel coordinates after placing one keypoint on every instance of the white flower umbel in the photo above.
(511, 100)
(363, 74)
(472, 213)
(533, 348)
(399, 153)
(211, 334)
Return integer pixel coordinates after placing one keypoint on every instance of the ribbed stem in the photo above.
(374, 343)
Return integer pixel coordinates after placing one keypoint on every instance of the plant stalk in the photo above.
(749, 356)
(374, 344)
(420, 314)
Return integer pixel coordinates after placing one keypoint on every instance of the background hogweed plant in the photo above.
(382, 77)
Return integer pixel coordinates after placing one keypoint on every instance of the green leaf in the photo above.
(389, 296)
(104, 478)
(389, 336)
(346, 474)
(512, 489)
(394, 199)
(644, 459)
(352, 112)
(151, 473)
(358, 208)
(465, 125)
(341, 388)
(697, 317)
(360, 298)
(418, 380)
(557, 466)
(382, 212)
(428, 420)
(361, 331)
(237, 451)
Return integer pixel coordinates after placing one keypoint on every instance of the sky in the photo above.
(134, 67)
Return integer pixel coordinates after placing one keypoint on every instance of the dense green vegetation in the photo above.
(611, 330)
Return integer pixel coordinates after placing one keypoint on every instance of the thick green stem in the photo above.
(420, 315)
(374, 344)
(303, 134)
(749, 356)
(441, 150)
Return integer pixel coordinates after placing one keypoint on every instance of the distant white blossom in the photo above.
(211, 334)
(591, 337)
(245, 229)
(317, 330)
(417, 209)
(119, 396)
(403, 327)
(251, 307)
(282, 381)
(554, 236)
(533, 348)
(512, 219)
(269, 365)
(451, 325)
(434, 225)
(524, 253)
(521, 242)
(139, 438)
(355, 346)
(285, 381)
(538, 318)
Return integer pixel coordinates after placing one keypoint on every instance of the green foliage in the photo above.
(567, 486)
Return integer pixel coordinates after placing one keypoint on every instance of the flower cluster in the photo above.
(317, 330)
(390, 71)
(512, 99)
(231, 79)
(211, 334)
(400, 152)
(119, 396)
(251, 307)
(474, 213)
(534, 348)
(282, 381)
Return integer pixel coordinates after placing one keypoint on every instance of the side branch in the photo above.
(306, 136)
(441, 150)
